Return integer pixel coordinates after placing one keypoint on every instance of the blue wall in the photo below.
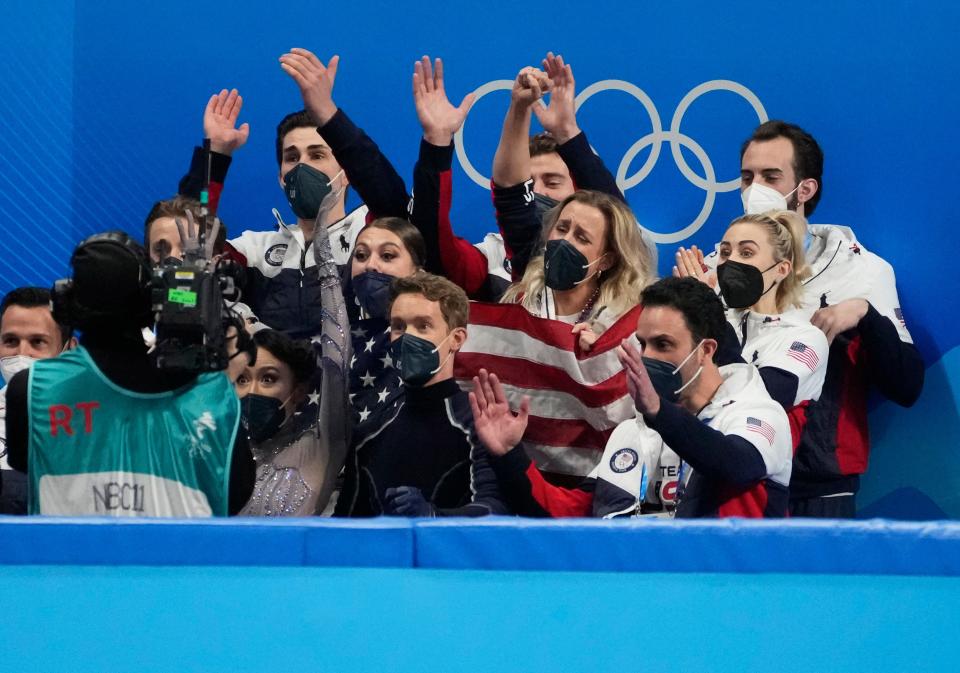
(104, 101)
(492, 595)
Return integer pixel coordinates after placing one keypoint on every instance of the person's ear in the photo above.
(343, 180)
(299, 395)
(783, 270)
(709, 348)
(283, 186)
(807, 189)
(608, 260)
(71, 344)
(457, 338)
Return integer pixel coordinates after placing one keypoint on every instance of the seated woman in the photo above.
(593, 269)
(295, 410)
(760, 274)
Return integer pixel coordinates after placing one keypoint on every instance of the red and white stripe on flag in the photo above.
(577, 398)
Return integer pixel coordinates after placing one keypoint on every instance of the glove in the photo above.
(407, 501)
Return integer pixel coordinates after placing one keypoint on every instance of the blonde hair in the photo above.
(621, 284)
(786, 231)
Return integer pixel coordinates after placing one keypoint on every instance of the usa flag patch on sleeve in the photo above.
(762, 428)
(803, 353)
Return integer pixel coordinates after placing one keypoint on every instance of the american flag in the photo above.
(803, 353)
(576, 398)
(373, 378)
(761, 427)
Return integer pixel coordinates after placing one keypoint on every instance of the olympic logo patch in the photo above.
(624, 460)
(275, 253)
(708, 182)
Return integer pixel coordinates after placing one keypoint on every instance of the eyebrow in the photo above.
(544, 176)
(739, 243)
(310, 148)
(660, 335)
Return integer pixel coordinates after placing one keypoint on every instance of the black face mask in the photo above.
(372, 290)
(416, 358)
(741, 285)
(542, 204)
(171, 261)
(563, 265)
(262, 416)
(664, 380)
(305, 188)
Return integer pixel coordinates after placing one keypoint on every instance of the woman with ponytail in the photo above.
(760, 275)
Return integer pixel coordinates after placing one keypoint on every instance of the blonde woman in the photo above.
(594, 266)
(760, 274)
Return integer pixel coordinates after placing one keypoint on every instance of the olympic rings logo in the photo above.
(655, 139)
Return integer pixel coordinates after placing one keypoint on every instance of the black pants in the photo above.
(836, 507)
(13, 497)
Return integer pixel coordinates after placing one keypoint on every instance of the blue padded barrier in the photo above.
(380, 543)
(877, 547)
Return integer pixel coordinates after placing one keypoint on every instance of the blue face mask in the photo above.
(542, 204)
(305, 188)
(417, 359)
(372, 290)
(564, 267)
(262, 416)
(665, 376)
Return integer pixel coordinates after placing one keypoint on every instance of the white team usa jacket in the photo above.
(278, 287)
(636, 460)
(788, 342)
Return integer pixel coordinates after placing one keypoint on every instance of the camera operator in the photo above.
(101, 430)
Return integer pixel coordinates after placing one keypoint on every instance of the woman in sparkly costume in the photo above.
(295, 407)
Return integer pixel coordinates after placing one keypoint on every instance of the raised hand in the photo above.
(529, 87)
(690, 263)
(497, 426)
(559, 117)
(645, 397)
(438, 117)
(315, 80)
(220, 122)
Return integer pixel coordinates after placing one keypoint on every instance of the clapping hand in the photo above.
(438, 117)
(220, 122)
(497, 426)
(559, 117)
(315, 80)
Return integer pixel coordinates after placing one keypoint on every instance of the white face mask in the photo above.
(13, 365)
(759, 198)
(680, 366)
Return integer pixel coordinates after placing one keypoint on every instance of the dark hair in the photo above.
(408, 234)
(454, 305)
(298, 355)
(178, 207)
(701, 307)
(543, 143)
(807, 155)
(33, 297)
(294, 120)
